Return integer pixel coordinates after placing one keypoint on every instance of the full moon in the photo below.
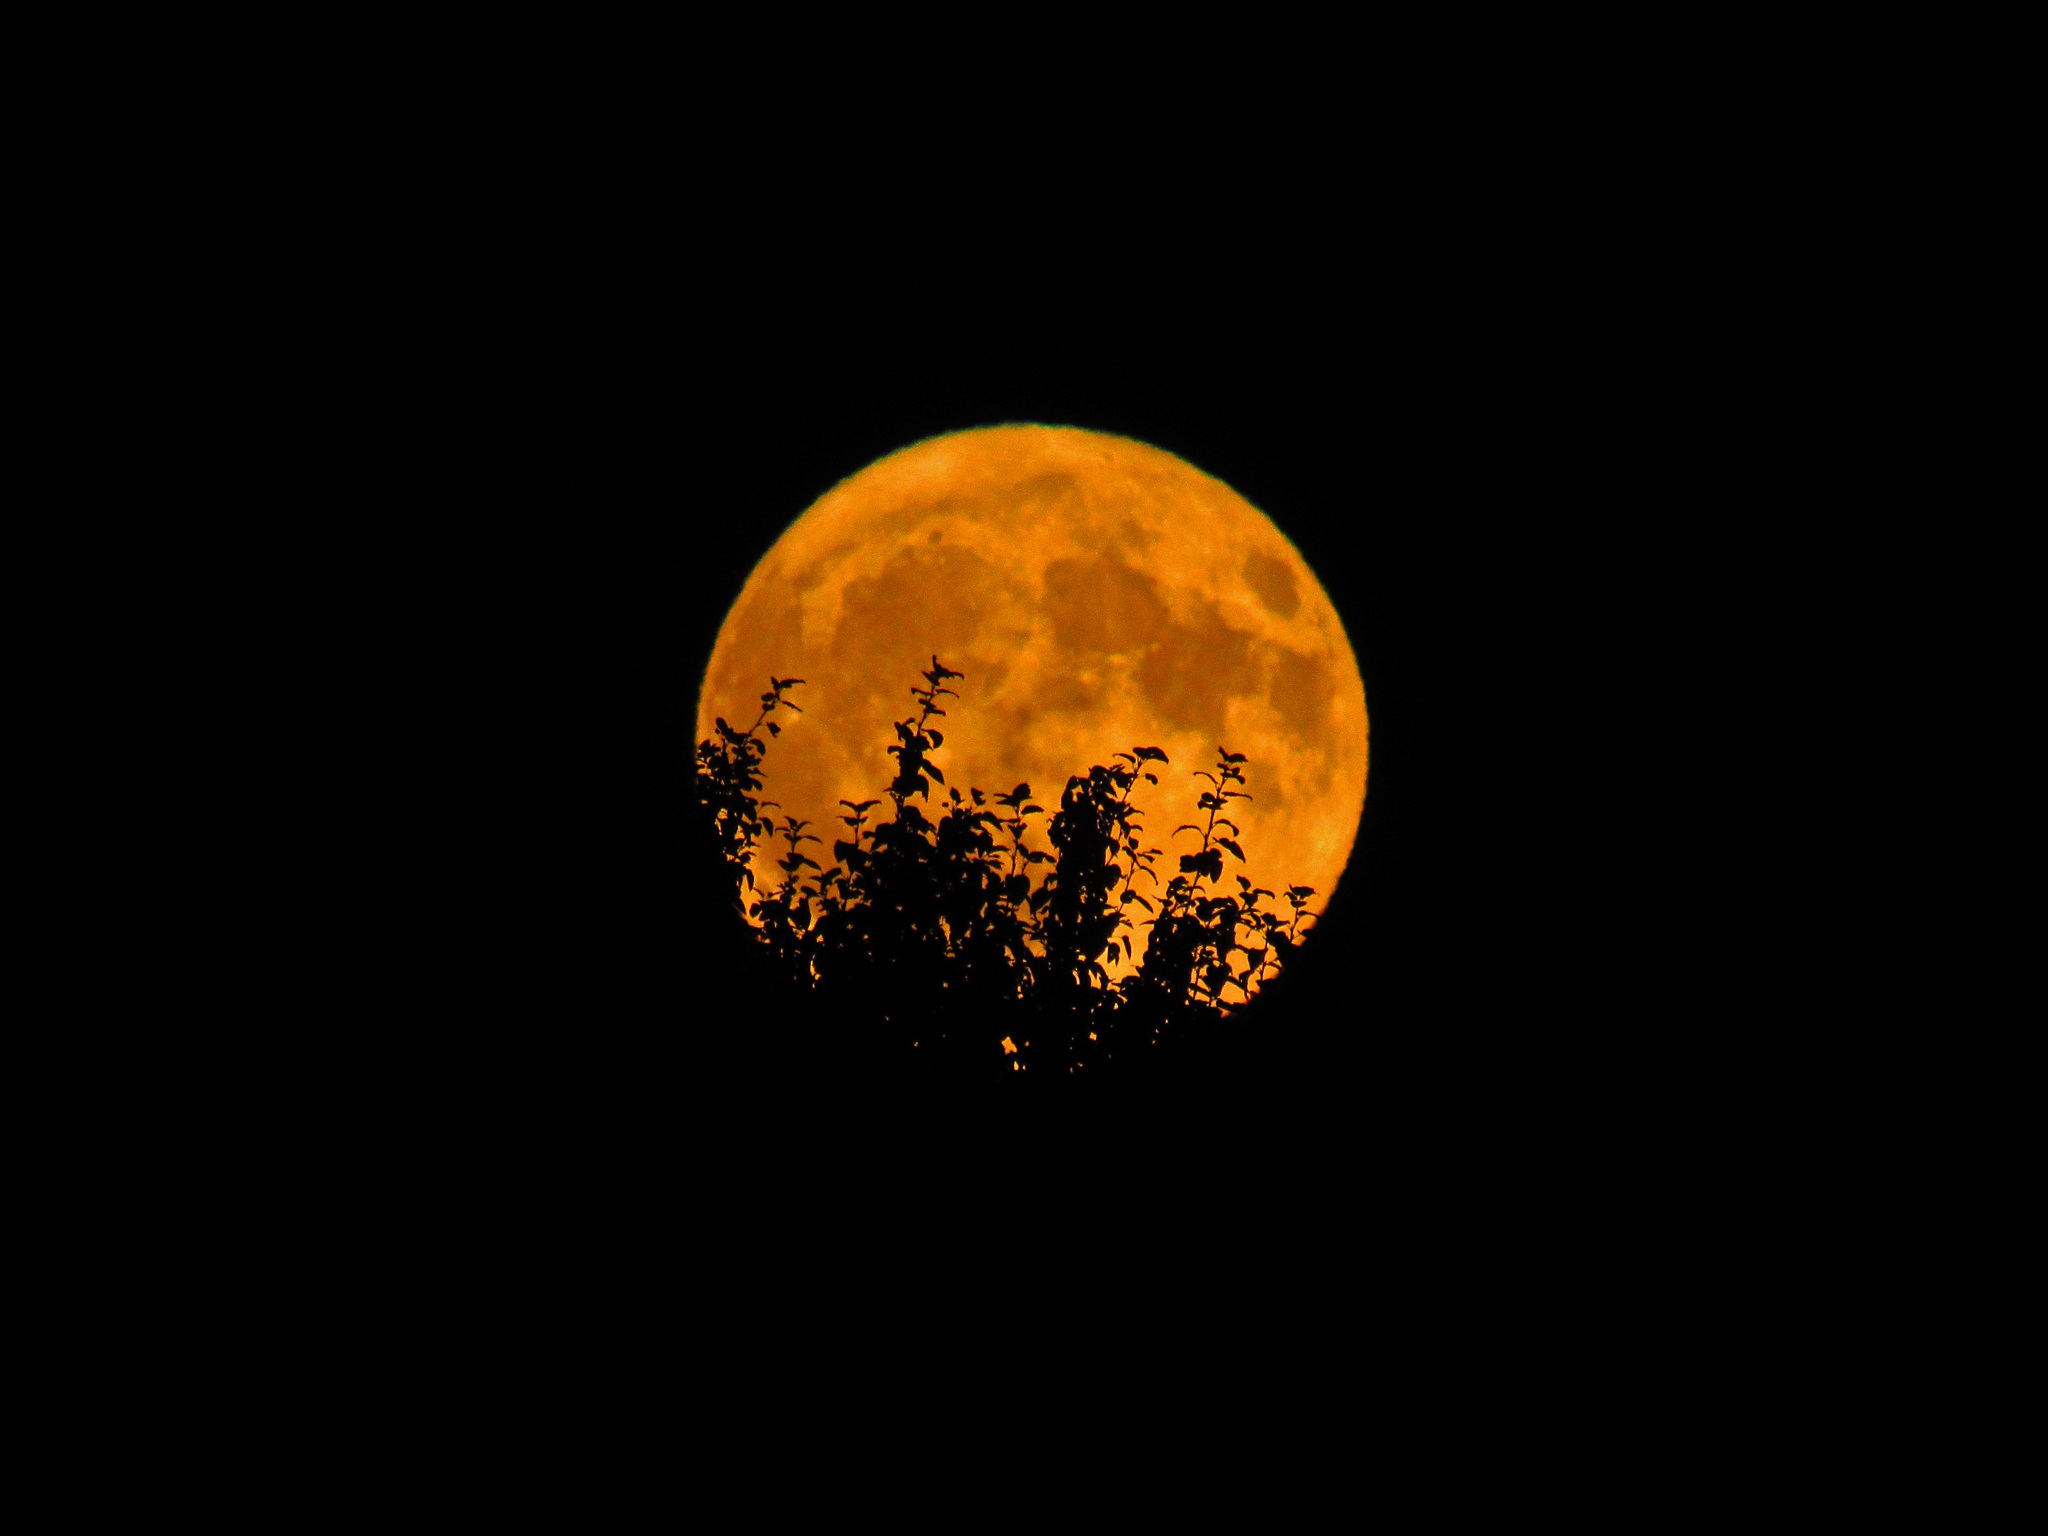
(1098, 594)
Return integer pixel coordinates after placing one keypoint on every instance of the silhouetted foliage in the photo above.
(962, 943)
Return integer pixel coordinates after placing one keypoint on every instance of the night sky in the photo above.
(574, 492)
(515, 421)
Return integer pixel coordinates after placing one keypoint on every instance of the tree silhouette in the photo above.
(962, 945)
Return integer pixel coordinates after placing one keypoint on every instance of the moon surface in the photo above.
(1099, 594)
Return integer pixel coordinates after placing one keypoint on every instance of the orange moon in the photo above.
(1099, 594)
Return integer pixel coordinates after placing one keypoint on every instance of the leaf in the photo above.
(1032, 810)
(933, 770)
(1151, 778)
(1185, 826)
(774, 729)
(1151, 755)
(1130, 896)
(937, 740)
(1225, 842)
(784, 682)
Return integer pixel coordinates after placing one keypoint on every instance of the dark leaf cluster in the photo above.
(977, 932)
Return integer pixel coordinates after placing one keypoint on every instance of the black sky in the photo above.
(518, 420)
(560, 483)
